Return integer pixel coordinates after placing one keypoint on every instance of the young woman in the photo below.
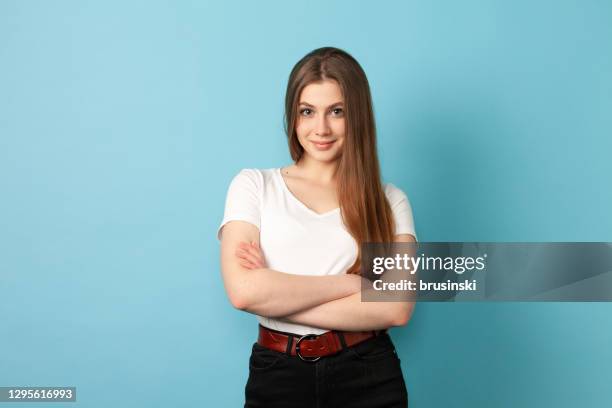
(291, 248)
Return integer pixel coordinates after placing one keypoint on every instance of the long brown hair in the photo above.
(364, 207)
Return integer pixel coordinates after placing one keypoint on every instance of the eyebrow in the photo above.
(312, 106)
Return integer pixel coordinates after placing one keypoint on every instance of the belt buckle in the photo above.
(297, 348)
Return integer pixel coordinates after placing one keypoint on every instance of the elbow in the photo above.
(243, 295)
(402, 314)
(239, 300)
(238, 303)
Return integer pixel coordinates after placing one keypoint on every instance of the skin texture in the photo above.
(321, 119)
(329, 302)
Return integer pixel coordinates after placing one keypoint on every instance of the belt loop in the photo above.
(342, 340)
(289, 344)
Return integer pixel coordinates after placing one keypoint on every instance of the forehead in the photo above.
(321, 93)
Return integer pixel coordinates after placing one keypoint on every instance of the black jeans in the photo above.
(366, 375)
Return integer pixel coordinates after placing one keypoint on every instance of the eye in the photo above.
(338, 111)
(305, 112)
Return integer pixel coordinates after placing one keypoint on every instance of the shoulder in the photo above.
(394, 194)
(253, 176)
(254, 181)
(401, 208)
(249, 174)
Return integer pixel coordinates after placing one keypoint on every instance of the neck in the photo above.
(317, 171)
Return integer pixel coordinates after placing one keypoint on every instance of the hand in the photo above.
(250, 255)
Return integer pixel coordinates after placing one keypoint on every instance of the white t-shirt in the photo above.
(294, 238)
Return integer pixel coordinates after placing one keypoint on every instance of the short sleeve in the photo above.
(242, 202)
(402, 210)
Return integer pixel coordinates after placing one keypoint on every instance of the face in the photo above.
(320, 124)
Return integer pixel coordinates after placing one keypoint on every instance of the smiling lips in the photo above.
(323, 145)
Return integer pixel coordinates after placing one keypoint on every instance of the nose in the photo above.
(322, 127)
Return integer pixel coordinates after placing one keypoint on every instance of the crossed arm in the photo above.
(328, 302)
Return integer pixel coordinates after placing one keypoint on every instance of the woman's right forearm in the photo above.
(271, 293)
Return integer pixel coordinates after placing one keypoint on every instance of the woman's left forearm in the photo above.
(351, 314)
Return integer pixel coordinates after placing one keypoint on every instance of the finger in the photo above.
(252, 265)
(244, 245)
(256, 248)
(252, 262)
(244, 260)
(247, 264)
(253, 248)
(257, 261)
(248, 256)
(256, 253)
(241, 255)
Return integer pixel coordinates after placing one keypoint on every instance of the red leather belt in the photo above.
(311, 347)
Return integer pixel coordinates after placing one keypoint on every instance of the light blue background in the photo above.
(122, 123)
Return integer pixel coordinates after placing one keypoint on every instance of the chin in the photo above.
(325, 156)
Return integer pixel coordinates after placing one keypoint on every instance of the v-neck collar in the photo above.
(299, 202)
